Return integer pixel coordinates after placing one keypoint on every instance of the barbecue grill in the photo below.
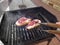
(13, 35)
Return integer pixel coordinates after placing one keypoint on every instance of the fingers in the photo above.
(58, 36)
(58, 23)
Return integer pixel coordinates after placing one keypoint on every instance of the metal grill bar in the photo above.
(27, 34)
(36, 32)
(12, 35)
(9, 35)
(15, 32)
(33, 34)
(7, 32)
(24, 34)
(43, 17)
(17, 35)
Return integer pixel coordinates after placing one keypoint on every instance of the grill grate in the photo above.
(14, 35)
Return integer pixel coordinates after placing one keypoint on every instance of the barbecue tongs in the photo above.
(52, 25)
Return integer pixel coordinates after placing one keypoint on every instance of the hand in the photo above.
(58, 23)
(57, 35)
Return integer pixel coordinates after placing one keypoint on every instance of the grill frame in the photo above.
(7, 15)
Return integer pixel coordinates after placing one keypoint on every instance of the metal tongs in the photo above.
(52, 25)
